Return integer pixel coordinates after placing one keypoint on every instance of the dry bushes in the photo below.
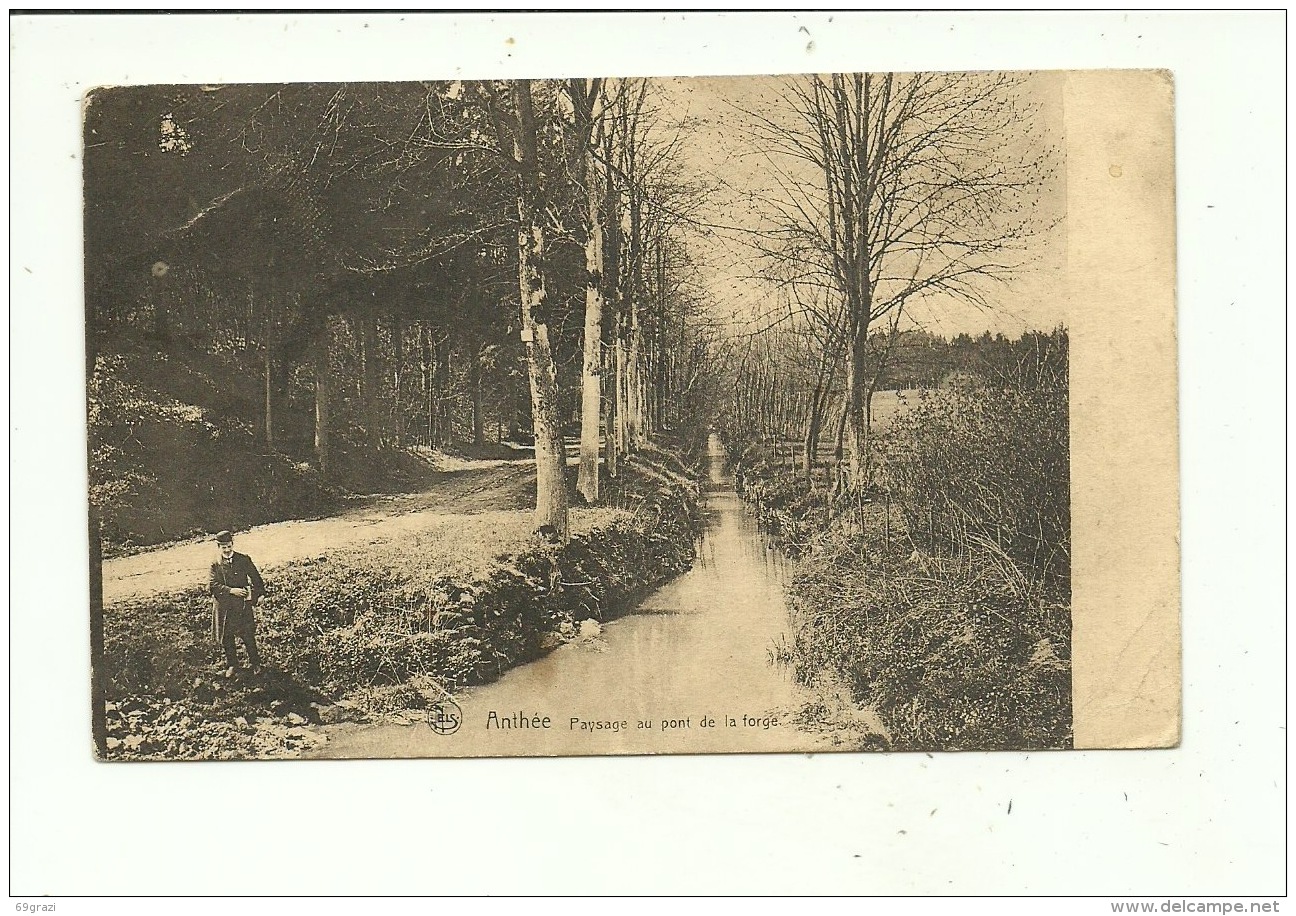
(981, 467)
(950, 652)
(940, 595)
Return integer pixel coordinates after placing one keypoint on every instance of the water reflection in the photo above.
(724, 506)
(718, 460)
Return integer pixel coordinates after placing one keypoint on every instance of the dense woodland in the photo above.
(401, 265)
(413, 265)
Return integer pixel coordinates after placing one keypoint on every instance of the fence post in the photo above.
(886, 519)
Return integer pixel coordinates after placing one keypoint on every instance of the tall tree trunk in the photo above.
(612, 306)
(444, 418)
(551, 459)
(649, 401)
(822, 412)
(425, 365)
(622, 345)
(659, 350)
(817, 406)
(612, 309)
(269, 344)
(436, 346)
(634, 380)
(398, 367)
(856, 420)
(322, 400)
(634, 387)
(622, 391)
(369, 378)
(839, 450)
(587, 482)
(611, 451)
(858, 252)
(475, 386)
(810, 443)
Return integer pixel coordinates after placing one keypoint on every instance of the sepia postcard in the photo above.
(621, 415)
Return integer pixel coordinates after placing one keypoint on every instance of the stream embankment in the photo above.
(691, 666)
(934, 645)
(380, 629)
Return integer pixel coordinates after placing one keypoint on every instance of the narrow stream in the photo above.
(688, 670)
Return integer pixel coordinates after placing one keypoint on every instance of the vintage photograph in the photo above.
(582, 416)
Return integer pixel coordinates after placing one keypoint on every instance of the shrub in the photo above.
(950, 653)
(189, 420)
(213, 463)
(978, 466)
(962, 638)
(156, 647)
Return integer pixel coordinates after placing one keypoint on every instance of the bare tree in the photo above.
(649, 196)
(894, 188)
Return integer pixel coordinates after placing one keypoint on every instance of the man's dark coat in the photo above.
(230, 610)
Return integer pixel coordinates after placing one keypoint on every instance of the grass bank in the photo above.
(370, 631)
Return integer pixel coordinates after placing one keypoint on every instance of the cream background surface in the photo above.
(1124, 403)
(1202, 818)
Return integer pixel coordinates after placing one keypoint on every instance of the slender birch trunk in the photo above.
(322, 400)
(369, 378)
(587, 482)
(270, 374)
(398, 360)
(551, 459)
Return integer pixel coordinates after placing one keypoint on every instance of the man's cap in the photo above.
(224, 537)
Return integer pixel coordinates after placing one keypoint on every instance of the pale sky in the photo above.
(723, 151)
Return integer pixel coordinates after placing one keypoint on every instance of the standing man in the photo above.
(236, 589)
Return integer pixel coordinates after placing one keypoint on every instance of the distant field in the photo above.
(887, 405)
(890, 404)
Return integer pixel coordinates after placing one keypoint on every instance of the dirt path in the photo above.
(484, 486)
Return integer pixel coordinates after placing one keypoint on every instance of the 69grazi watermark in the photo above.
(23, 906)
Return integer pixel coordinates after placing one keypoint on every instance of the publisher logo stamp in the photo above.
(444, 716)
